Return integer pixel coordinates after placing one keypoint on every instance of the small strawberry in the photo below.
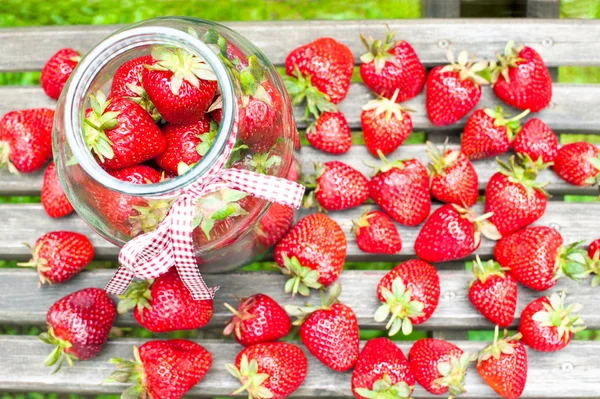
(312, 253)
(60, 255)
(382, 371)
(439, 366)
(493, 292)
(139, 174)
(330, 133)
(536, 140)
(452, 233)
(165, 304)
(503, 365)
(26, 139)
(54, 200)
(488, 133)
(401, 189)
(548, 325)
(410, 293)
(453, 177)
(594, 261)
(453, 90)
(78, 325)
(338, 187)
(391, 65)
(578, 164)
(385, 124)
(376, 233)
(594, 249)
(329, 332)
(162, 369)
(521, 79)
(258, 319)
(271, 370)
(260, 116)
(275, 224)
(57, 70)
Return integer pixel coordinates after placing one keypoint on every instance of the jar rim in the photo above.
(115, 45)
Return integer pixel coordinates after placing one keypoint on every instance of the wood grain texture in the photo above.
(440, 8)
(543, 8)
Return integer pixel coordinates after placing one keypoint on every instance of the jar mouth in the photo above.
(116, 45)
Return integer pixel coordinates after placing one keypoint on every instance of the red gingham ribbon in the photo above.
(152, 254)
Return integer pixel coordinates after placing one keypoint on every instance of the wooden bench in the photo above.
(573, 372)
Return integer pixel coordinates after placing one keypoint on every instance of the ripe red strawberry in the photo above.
(330, 331)
(391, 65)
(439, 366)
(453, 90)
(60, 255)
(452, 233)
(121, 133)
(410, 293)
(503, 365)
(78, 325)
(269, 370)
(330, 133)
(261, 115)
(385, 124)
(165, 304)
(339, 187)
(536, 140)
(312, 253)
(578, 164)
(514, 197)
(54, 200)
(138, 174)
(181, 85)
(536, 258)
(488, 133)
(26, 139)
(493, 292)
(258, 319)
(453, 177)
(57, 70)
(274, 224)
(594, 261)
(521, 78)
(548, 325)
(594, 249)
(382, 369)
(163, 369)
(376, 233)
(401, 189)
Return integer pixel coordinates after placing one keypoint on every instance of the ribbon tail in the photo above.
(120, 281)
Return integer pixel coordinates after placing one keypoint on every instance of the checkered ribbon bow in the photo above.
(152, 254)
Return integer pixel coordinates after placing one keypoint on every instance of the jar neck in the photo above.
(111, 49)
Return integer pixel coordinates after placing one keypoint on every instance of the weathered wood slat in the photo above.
(543, 8)
(560, 42)
(22, 369)
(440, 8)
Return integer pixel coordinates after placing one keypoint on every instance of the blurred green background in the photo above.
(70, 12)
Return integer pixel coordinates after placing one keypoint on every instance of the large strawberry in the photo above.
(162, 369)
(26, 139)
(338, 187)
(401, 189)
(488, 133)
(274, 224)
(452, 233)
(390, 66)
(578, 164)
(138, 174)
(78, 325)
(261, 111)
(165, 304)
(60, 255)
(453, 177)
(54, 200)
(439, 366)
(258, 319)
(493, 292)
(330, 133)
(503, 365)
(376, 233)
(521, 78)
(453, 90)
(409, 293)
(382, 371)
(269, 370)
(385, 124)
(312, 253)
(548, 325)
(57, 70)
(536, 140)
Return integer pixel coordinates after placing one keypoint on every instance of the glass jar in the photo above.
(119, 210)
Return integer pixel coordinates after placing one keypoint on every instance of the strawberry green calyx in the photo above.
(252, 381)
(555, 314)
(130, 371)
(143, 100)
(504, 346)
(510, 59)
(595, 162)
(482, 224)
(400, 305)
(572, 262)
(593, 265)
(302, 278)
(467, 69)
(440, 161)
(236, 324)
(327, 301)
(97, 123)
(453, 374)
(149, 216)
(301, 89)
(483, 271)
(363, 221)
(138, 296)
(378, 51)
(513, 125)
(263, 162)
(60, 352)
(218, 206)
(310, 182)
(251, 79)
(388, 106)
(526, 162)
(523, 175)
(387, 165)
(384, 389)
(207, 139)
(5, 158)
(40, 264)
